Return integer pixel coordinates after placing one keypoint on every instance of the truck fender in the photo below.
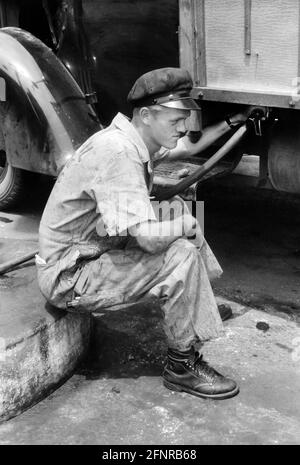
(45, 117)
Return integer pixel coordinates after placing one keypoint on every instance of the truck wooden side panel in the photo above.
(250, 47)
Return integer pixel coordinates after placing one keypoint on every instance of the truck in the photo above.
(66, 67)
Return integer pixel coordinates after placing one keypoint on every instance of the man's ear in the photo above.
(145, 115)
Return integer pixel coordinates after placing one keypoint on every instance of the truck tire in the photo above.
(11, 183)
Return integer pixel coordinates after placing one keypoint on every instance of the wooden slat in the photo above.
(200, 55)
(298, 76)
(186, 36)
(192, 48)
(248, 6)
(192, 39)
(269, 99)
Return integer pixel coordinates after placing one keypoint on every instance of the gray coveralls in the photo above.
(84, 249)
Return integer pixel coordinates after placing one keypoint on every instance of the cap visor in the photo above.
(182, 104)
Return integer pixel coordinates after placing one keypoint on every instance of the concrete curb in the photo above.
(34, 365)
(39, 346)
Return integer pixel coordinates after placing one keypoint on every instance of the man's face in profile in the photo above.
(167, 125)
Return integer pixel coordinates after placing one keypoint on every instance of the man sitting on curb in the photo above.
(100, 237)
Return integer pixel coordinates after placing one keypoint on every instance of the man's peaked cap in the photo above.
(169, 87)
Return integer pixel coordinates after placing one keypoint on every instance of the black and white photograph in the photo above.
(149, 226)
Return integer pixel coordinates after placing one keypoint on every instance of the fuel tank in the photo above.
(284, 153)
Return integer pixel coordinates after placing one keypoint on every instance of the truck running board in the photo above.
(168, 181)
(169, 190)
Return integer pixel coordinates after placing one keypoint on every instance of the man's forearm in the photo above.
(209, 135)
(155, 237)
(185, 148)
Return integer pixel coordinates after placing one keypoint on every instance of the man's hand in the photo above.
(183, 173)
(155, 237)
(189, 225)
(242, 116)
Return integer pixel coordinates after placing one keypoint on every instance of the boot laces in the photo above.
(201, 367)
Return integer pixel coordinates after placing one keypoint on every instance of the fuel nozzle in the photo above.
(256, 117)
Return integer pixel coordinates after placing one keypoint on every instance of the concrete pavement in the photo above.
(116, 395)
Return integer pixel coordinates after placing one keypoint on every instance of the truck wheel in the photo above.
(11, 183)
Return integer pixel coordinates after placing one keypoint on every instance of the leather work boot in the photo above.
(188, 372)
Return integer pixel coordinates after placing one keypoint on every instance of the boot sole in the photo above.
(223, 395)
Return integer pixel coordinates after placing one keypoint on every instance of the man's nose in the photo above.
(181, 128)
